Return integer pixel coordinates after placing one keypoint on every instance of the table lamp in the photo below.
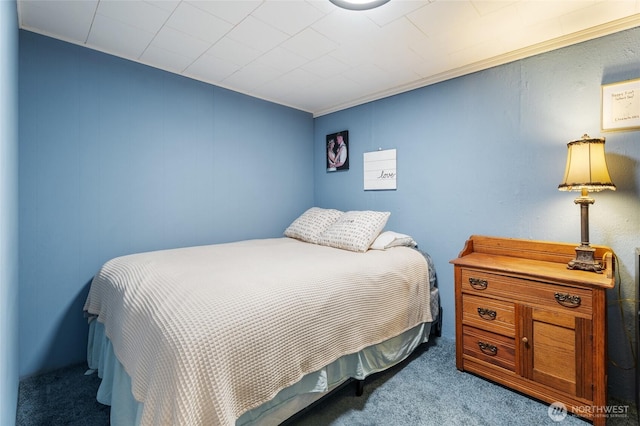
(586, 172)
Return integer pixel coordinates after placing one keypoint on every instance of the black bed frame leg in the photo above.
(359, 387)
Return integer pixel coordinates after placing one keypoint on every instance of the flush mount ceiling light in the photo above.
(358, 4)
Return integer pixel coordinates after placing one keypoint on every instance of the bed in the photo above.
(250, 332)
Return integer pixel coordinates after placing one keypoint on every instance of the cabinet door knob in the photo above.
(525, 340)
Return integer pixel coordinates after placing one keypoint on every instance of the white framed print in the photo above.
(380, 170)
(621, 105)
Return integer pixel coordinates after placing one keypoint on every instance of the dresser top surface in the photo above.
(540, 260)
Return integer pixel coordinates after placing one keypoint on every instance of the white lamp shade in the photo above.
(586, 166)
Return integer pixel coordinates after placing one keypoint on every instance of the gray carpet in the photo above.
(426, 389)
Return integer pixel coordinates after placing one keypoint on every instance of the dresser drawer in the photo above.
(490, 347)
(480, 283)
(488, 314)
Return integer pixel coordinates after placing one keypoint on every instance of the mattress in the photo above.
(283, 309)
(115, 387)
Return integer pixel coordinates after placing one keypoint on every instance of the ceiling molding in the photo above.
(608, 28)
(287, 61)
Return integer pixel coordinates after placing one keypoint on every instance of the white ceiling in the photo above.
(314, 56)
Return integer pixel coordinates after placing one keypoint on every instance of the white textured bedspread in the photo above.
(209, 332)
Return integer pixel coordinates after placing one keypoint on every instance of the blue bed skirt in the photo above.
(115, 388)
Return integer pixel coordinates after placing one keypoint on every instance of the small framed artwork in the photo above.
(621, 105)
(338, 151)
(380, 171)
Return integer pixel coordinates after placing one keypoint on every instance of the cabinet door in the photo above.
(556, 350)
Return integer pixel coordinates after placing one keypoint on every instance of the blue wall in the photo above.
(484, 154)
(8, 212)
(116, 158)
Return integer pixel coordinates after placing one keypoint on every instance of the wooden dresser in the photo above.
(527, 322)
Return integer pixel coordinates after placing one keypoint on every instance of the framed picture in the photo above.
(380, 170)
(338, 151)
(621, 105)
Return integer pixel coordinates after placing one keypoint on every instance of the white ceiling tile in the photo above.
(594, 14)
(443, 16)
(114, 36)
(532, 11)
(341, 87)
(532, 35)
(394, 10)
(394, 79)
(245, 33)
(168, 5)
(211, 69)
(400, 32)
(454, 41)
(190, 20)
(180, 43)
(430, 68)
(69, 20)
(323, 6)
(234, 52)
(477, 52)
(345, 26)
(368, 75)
(502, 21)
(310, 44)
(485, 7)
(251, 76)
(290, 17)
(281, 59)
(354, 53)
(299, 79)
(165, 59)
(431, 48)
(232, 11)
(135, 13)
(329, 90)
(275, 89)
(290, 87)
(396, 59)
(325, 66)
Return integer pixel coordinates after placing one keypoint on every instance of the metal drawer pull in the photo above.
(568, 300)
(488, 348)
(487, 314)
(478, 283)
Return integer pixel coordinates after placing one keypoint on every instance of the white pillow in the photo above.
(355, 230)
(390, 239)
(310, 224)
